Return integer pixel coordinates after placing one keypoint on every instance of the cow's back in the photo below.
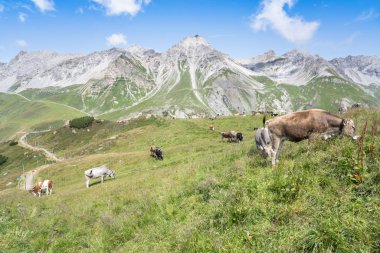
(97, 172)
(298, 126)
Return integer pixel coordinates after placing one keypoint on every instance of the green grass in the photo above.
(18, 114)
(68, 95)
(205, 196)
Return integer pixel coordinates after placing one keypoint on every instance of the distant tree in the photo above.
(82, 122)
(3, 159)
(13, 143)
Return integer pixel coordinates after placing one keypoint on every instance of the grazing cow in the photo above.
(263, 142)
(232, 136)
(46, 185)
(303, 125)
(156, 152)
(211, 127)
(96, 172)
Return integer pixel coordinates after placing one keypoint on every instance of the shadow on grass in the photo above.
(100, 182)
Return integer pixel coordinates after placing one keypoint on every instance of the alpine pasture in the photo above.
(205, 196)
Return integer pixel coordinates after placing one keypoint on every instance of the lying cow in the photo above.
(263, 142)
(232, 136)
(97, 172)
(156, 152)
(46, 185)
(303, 125)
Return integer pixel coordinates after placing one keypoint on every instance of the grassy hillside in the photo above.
(17, 157)
(205, 196)
(19, 114)
(327, 93)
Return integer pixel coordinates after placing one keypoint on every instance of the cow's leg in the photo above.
(87, 182)
(276, 144)
(102, 178)
(279, 151)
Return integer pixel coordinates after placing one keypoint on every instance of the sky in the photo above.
(239, 28)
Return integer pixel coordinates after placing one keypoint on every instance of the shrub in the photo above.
(3, 159)
(13, 143)
(82, 122)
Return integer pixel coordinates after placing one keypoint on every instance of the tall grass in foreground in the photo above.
(206, 196)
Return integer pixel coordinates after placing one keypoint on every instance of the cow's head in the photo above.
(239, 136)
(159, 154)
(112, 174)
(33, 191)
(349, 128)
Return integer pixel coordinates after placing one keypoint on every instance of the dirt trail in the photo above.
(29, 177)
(23, 143)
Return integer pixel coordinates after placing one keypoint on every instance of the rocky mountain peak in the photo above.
(193, 42)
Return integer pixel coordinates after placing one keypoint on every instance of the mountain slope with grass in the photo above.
(18, 114)
(205, 196)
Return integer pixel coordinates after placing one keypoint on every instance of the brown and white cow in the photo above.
(298, 126)
(46, 185)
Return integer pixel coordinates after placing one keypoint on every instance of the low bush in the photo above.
(13, 143)
(82, 122)
(3, 159)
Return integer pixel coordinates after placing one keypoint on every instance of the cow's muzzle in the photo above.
(355, 137)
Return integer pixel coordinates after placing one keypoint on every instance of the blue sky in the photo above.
(239, 28)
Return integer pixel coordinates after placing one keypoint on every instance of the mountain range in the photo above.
(191, 79)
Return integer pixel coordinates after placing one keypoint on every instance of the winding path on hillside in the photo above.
(23, 143)
(29, 177)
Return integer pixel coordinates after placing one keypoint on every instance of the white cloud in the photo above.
(122, 7)
(350, 39)
(22, 17)
(80, 10)
(1, 8)
(117, 39)
(272, 15)
(367, 15)
(21, 43)
(44, 5)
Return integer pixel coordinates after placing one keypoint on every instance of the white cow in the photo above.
(96, 172)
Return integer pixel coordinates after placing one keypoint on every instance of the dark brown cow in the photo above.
(156, 152)
(232, 136)
(303, 125)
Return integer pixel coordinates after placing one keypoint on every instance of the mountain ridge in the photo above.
(190, 79)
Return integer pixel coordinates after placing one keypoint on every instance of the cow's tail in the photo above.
(264, 119)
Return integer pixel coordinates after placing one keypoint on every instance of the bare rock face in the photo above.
(359, 69)
(294, 67)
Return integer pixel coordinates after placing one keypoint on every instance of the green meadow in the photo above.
(17, 114)
(207, 195)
